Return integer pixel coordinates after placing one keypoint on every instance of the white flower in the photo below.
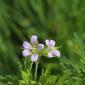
(51, 49)
(32, 49)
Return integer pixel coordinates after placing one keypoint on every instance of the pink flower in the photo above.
(51, 49)
(32, 49)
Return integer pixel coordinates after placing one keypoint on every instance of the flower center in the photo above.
(34, 50)
(51, 49)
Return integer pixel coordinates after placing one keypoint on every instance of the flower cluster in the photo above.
(34, 48)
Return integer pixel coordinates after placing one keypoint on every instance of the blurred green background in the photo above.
(61, 20)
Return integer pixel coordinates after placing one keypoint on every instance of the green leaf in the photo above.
(24, 75)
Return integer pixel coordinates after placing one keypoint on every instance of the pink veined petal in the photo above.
(50, 55)
(26, 53)
(27, 45)
(34, 57)
(34, 39)
(40, 46)
(56, 53)
(52, 43)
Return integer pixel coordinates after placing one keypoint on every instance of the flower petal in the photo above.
(50, 55)
(27, 45)
(50, 43)
(34, 39)
(56, 53)
(26, 52)
(47, 42)
(34, 57)
(40, 46)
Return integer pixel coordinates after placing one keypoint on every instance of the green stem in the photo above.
(36, 69)
(31, 66)
(29, 76)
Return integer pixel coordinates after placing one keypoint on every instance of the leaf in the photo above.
(24, 75)
(22, 82)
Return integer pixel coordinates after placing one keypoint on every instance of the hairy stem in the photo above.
(36, 69)
(31, 66)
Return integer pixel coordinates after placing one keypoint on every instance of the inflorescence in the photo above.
(34, 49)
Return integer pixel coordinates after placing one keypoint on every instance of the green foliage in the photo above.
(61, 20)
